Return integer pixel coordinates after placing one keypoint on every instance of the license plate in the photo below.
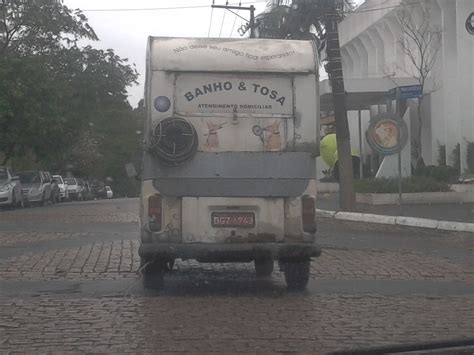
(233, 219)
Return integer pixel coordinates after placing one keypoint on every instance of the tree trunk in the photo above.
(8, 154)
(346, 194)
(420, 127)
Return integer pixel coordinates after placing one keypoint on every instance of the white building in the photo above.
(374, 62)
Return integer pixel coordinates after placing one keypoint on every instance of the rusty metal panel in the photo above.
(197, 220)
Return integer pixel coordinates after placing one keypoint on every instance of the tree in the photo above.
(420, 42)
(51, 89)
(318, 20)
(40, 27)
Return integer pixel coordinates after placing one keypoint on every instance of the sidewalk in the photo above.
(440, 212)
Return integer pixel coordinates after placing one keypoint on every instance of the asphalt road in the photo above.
(69, 282)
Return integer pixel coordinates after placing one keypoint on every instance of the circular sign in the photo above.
(162, 103)
(470, 24)
(387, 133)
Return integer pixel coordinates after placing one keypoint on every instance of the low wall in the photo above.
(417, 198)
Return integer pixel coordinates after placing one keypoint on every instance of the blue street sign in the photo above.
(405, 92)
(409, 92)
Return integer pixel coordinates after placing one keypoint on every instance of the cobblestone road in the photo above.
(69, 282)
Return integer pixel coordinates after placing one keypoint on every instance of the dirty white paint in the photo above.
(241, 96)
(232, 55)
(269, 216)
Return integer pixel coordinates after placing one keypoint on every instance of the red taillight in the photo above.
(154, 212)
(308, 214)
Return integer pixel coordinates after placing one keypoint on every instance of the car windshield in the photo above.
(58, 178)
(70, 181)
(29, 178)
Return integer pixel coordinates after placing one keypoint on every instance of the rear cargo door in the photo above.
(237, 112)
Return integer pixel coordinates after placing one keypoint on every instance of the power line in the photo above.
(166, 8)
(381, 8)
(222, 24)
(210, 22)
(233, 25)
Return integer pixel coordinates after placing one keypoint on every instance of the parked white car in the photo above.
(63, 191)
(10, 188)
(72, 188)
(108, 191)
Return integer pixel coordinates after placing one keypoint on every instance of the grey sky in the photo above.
(127, 31)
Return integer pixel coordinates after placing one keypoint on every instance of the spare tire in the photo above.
(175, 140)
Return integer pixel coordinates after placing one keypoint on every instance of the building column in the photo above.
(363, 55)
(379, 49)
(438, 123)
(356, 60)
(371, 54)
(347, 63)
(400, 64)
(450, 78)
(465, 87)
(389, 44)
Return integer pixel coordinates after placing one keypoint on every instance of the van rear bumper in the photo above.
(228, 252)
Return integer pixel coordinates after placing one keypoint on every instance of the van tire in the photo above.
(263, 267)
(153, 274)
(297, 274)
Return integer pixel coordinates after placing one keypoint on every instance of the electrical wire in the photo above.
(167, 8)
(233, 25)
(210, 22)
(381, 8)
(222, 24)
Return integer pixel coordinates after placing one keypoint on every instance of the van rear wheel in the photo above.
(153, 273)
(297, 274)
(263, 267)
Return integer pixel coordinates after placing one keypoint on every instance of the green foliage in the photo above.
(294, 19)
(445, 173)
(61, 104)
(441, 154)
(470, 157)
(413, 184)
(40, 27)
(456, 157)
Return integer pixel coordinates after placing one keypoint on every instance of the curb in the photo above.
(398, 220)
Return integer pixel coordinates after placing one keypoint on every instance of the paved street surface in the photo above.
(69, 282)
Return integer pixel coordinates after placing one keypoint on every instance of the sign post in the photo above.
(388, 134)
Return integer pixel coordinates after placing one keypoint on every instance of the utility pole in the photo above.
(251, 22)
(346, 178)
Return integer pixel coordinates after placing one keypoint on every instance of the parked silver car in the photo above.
(36, 187)
(10, 188)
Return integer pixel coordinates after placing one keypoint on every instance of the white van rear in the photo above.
(229, 171)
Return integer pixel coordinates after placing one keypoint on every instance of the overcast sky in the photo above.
(126, 31)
